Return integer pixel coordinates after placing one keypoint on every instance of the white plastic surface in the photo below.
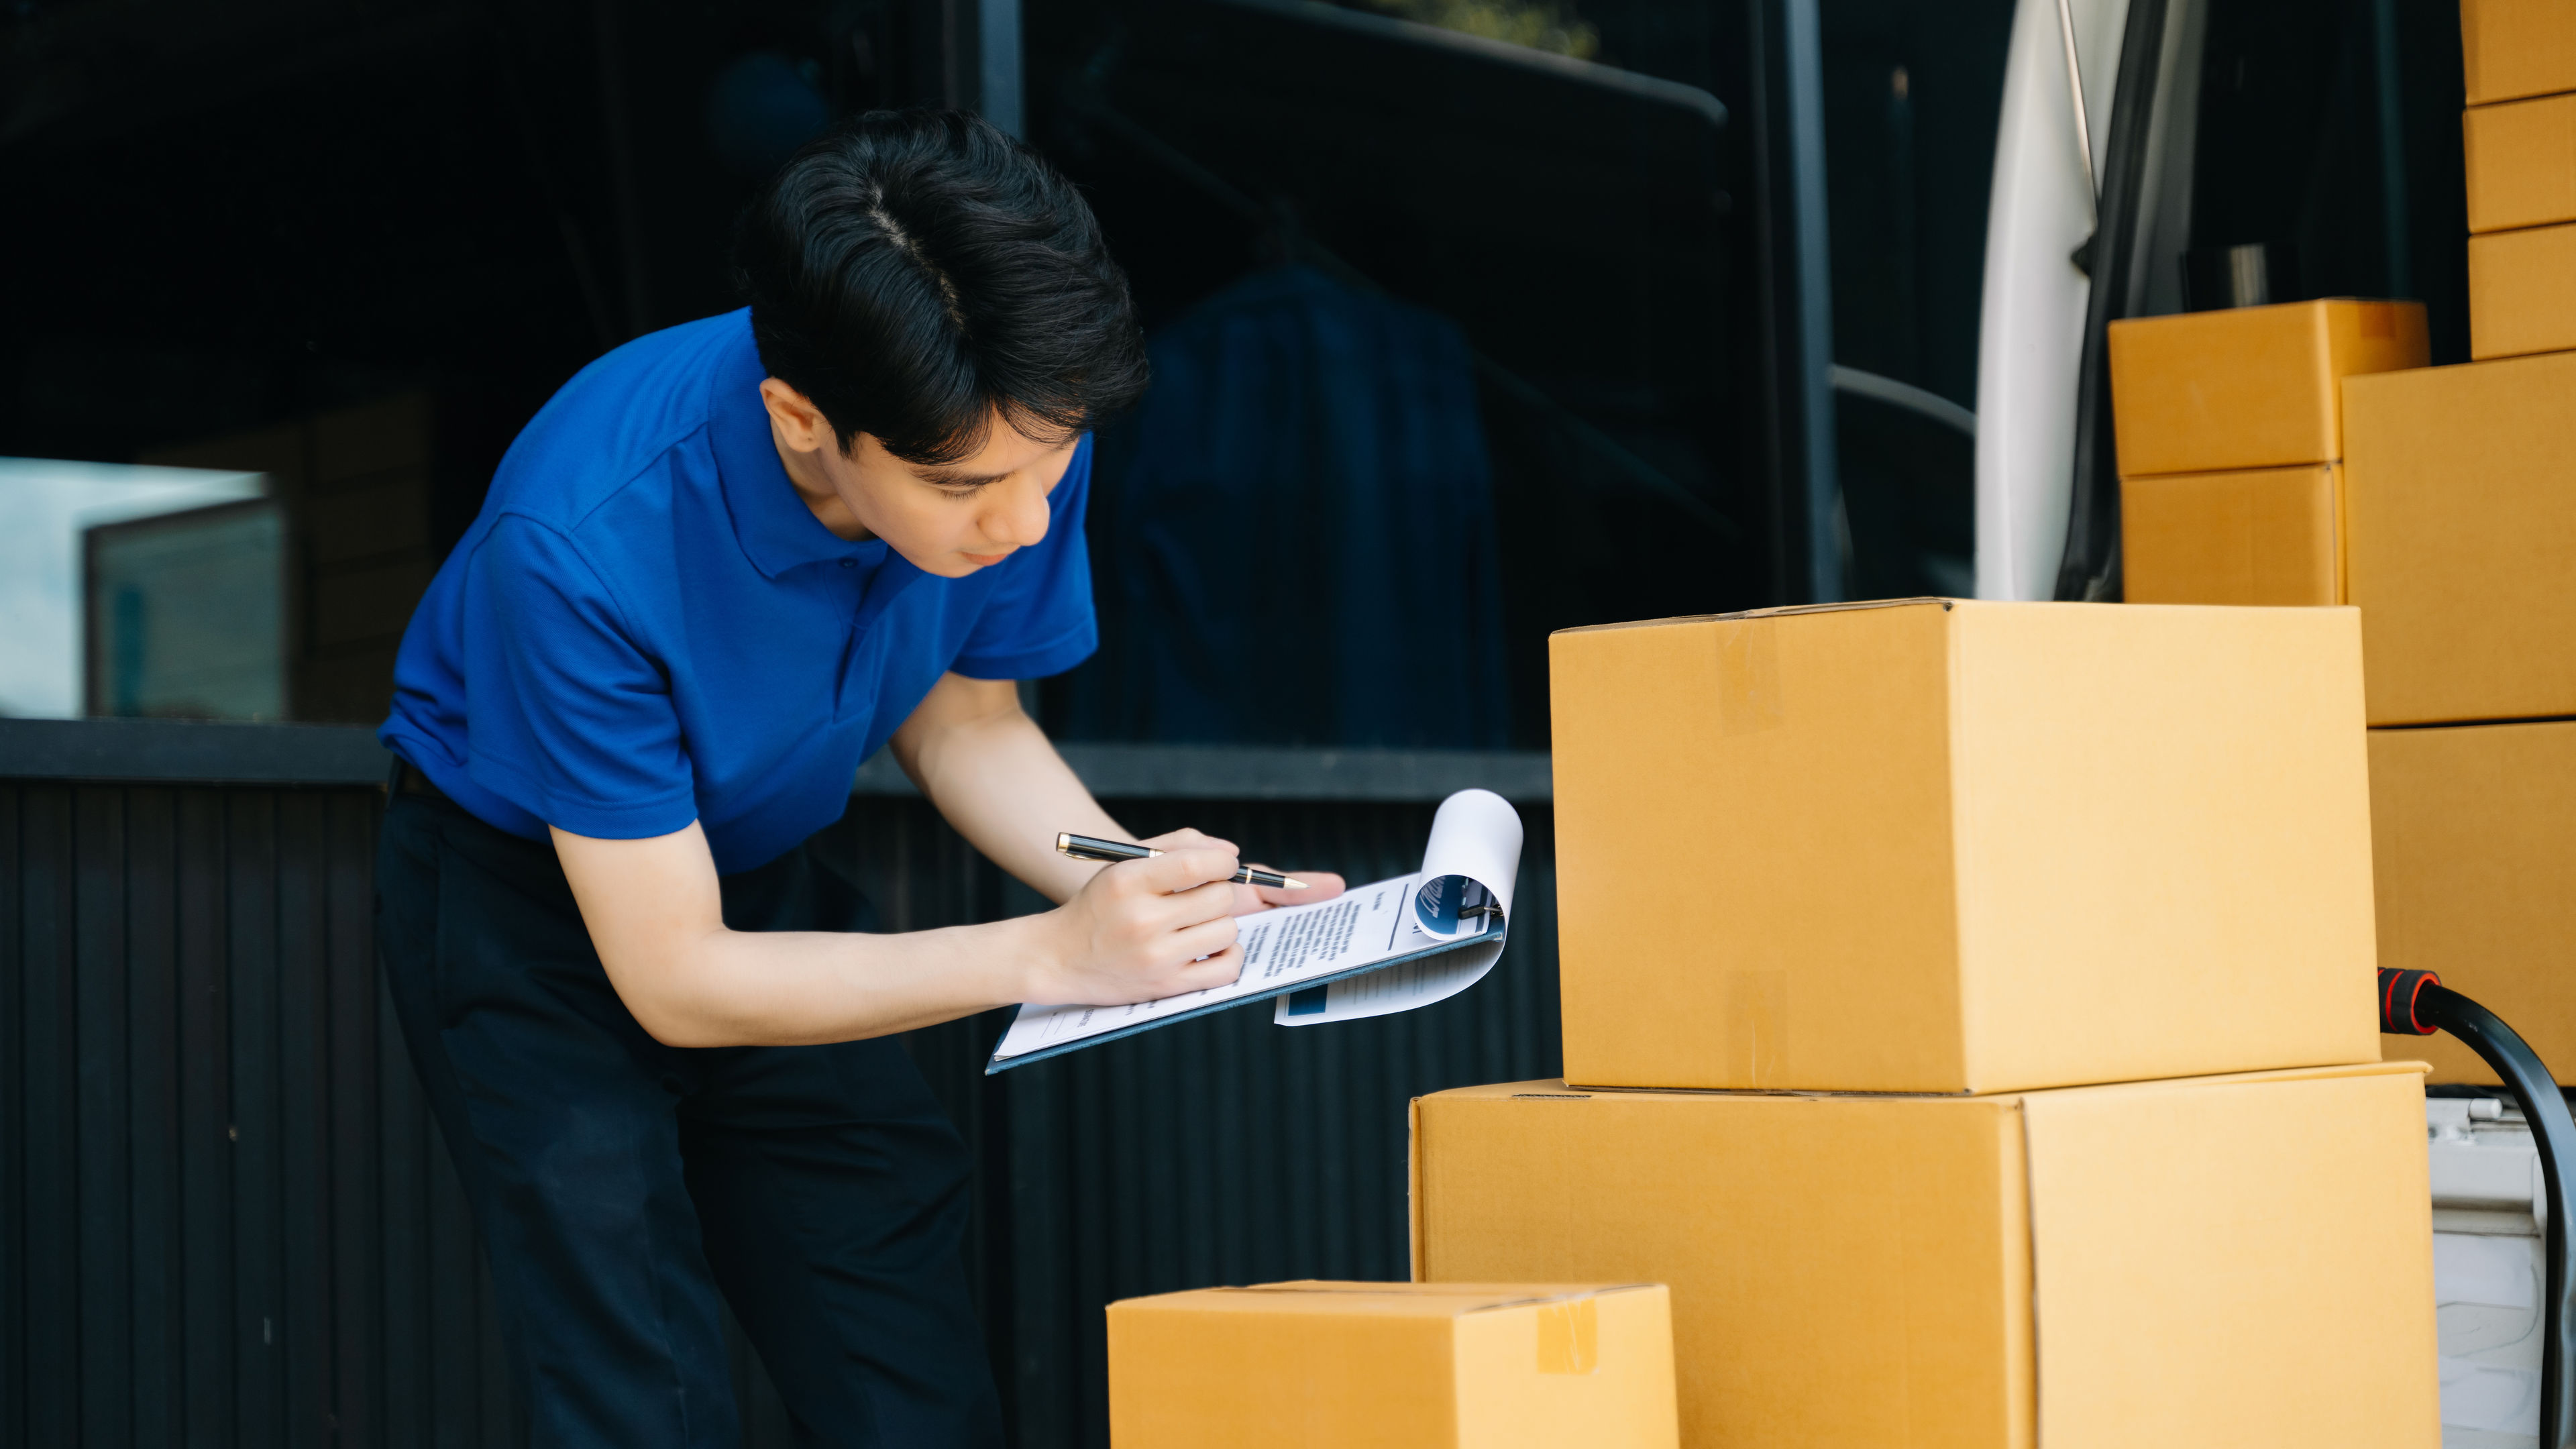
(2487, 1265)
(2031, 334)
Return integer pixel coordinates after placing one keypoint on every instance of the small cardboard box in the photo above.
(1953, 846)
(2460, 489)
(2521, 163)
(2249, 387)
(2240, 1261)
(2515, 48)
(2474, 827)
(2262, 536)
(1399, 1365)
(2522, 292)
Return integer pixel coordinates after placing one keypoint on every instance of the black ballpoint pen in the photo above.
(1088, 847)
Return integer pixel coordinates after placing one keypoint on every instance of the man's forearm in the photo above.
(656, 915)
(1000, 782)
(797, 988)
(655, 910)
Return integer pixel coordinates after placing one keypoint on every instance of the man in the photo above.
(724, 565)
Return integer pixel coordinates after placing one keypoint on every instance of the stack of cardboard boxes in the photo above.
(1968, 1014)
(2464, 565)
(2455, 533)
(2231, 444)
(2464, 536)
(2520, 129)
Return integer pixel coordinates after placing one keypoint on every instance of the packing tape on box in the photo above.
(1757, 1025)
(1569, 1337)
(1748, 677)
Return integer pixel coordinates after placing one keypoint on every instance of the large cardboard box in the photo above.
(2249, 387)
(2460, 489)
(2262, 536)
(2521, 163)
(1398, 1365)
(2522, 292)
(2237, 1261)
(1952, 846)
(2515, 48)
(2475, 831)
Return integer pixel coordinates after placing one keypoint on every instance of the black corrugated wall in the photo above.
(230, 1222)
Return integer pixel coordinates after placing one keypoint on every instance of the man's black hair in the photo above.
(912, 271)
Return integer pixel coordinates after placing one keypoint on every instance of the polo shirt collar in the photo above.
(777, 531)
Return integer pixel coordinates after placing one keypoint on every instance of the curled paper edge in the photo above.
(1476, 835)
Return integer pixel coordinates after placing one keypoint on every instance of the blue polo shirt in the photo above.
(647, 626)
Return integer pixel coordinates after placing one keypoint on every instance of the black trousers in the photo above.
(620, 1184)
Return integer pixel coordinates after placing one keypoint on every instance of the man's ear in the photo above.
(801, 425)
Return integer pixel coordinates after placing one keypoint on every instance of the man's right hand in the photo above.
(1136, 930)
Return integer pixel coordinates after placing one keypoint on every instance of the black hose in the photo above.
(2416, 1003)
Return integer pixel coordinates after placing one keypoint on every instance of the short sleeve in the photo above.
(572, 719)
(1038, 618)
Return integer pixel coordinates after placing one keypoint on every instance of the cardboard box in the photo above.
(2522, 292)
(1399, 1365)
(2460, 489)
(2521, 163)
(2515, 48)
(2236, 1261)
(2475, 831)
(2249, 387)
(1952, 846)
(2263, 536)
